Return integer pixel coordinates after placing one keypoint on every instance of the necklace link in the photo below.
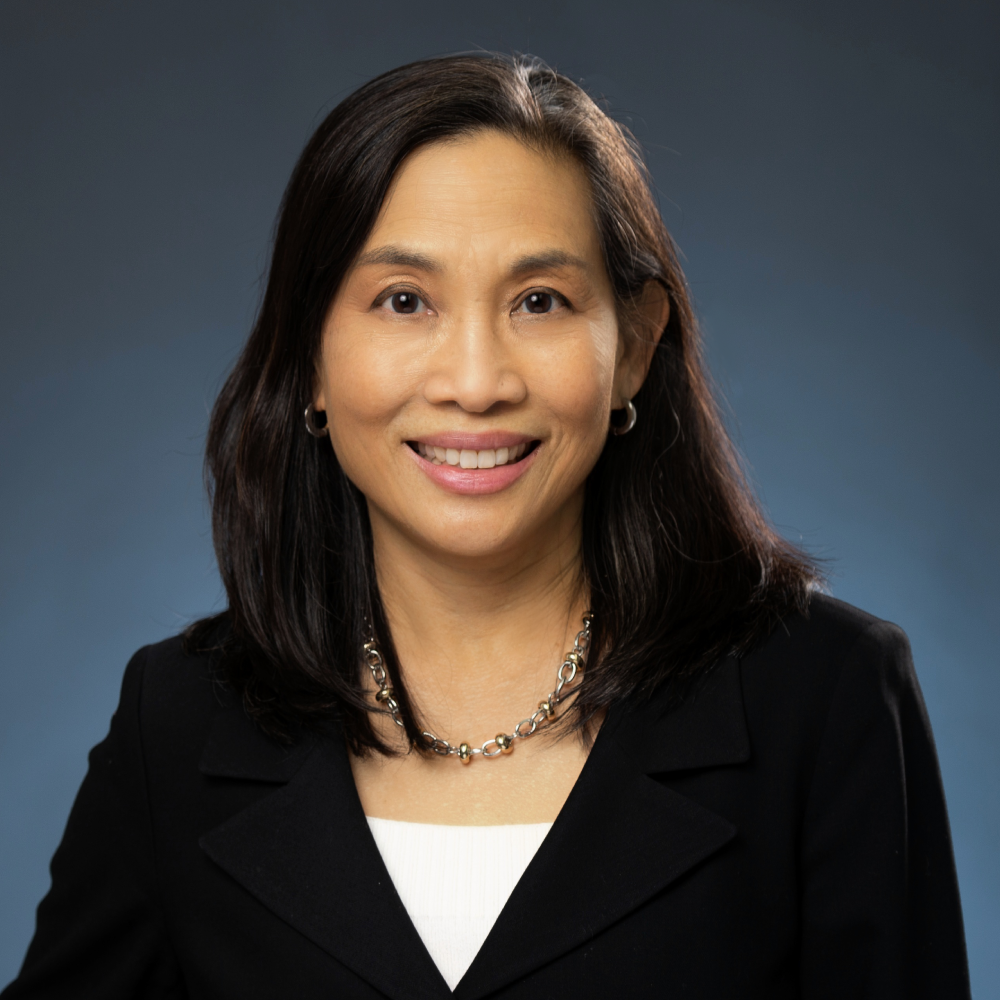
(502, 743)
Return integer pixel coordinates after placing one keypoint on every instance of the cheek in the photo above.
(365, 387)
(576, 384)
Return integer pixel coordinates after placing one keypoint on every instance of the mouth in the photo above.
(474, 458)
(474, 464)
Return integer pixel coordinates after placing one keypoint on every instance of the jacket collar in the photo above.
(707, 729)
(235, 748)
(305, 850)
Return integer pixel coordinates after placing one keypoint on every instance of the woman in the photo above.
(469, 464)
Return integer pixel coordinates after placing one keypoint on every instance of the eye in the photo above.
(404, 303)
(539, 303)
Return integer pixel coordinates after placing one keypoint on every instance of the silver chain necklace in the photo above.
(502, 742)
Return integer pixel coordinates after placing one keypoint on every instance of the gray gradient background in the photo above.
(829, 171)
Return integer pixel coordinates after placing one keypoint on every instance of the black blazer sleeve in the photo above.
(880, 910)
(99, 932)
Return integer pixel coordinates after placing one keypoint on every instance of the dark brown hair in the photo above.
(681, 564)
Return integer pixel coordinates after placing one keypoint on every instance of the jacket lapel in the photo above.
(305, 851)
(622, 837)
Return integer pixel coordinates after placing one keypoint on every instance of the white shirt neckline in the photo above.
(454, 881)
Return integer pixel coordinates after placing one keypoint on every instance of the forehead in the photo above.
(491, 193)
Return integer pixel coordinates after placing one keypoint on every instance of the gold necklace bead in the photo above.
(547, 708)
(505, 743)
(464, 753)
(383, 694)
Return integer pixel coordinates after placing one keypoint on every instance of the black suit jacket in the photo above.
(782, 834)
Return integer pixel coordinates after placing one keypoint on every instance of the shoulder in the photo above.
(172, 697)
(829, 667)
(168, 679)
(816, 646)
(178, 714)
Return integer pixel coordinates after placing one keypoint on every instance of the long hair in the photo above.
(681, 564)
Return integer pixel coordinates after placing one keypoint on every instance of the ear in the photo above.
(650, 314)
(319, 393)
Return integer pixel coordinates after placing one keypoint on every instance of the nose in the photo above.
(474, 366)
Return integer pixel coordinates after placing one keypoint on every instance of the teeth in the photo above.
(469, 459)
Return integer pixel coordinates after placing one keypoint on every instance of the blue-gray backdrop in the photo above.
(829, 170)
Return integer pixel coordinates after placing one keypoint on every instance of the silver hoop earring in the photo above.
(317, 432)
(630, 418)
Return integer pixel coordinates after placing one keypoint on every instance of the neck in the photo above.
(479, 637)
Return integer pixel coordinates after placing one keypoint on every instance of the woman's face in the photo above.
(472, 355)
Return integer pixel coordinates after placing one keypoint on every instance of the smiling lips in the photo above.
(474, 463)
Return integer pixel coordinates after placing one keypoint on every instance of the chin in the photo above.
(473, 543)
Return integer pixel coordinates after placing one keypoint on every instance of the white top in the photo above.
(455, 880)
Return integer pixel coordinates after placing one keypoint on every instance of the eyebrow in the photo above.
(547, 260)
(397, 256)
